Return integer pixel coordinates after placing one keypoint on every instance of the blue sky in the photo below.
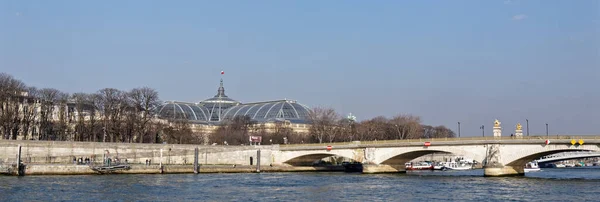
(446, 61)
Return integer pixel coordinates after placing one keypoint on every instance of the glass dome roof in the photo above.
(182, 110)
(270, 111)
(220, 107)
(218, 104)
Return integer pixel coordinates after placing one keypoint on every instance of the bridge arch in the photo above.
(307, 158)
(525, 157)
(569, 156)
(403, 158)
(400, 156)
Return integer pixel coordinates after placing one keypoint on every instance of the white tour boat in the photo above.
(419, 166)
(439, 166)
(532, 167)
(460, 165)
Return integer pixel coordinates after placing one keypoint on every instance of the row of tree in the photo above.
(326, 125)
(112, 115)
(109, 115)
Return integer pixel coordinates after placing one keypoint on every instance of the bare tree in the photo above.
(129, 125)
(323, 123)
(235, 131)
(61, 128)
(95, 129)
(47, 98)
(11, 95)
(277, 134)
(374, 129)
(406, 126)
(29, 113)
(118, 119)
(144, 101)
(428, 131)
(437, 132)
(81, 107)
(442, 132)
(347, 130)
(156, 129)
(111, 103)
(179, 132)
(335, 132)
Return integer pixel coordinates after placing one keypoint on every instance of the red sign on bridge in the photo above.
(255, 138)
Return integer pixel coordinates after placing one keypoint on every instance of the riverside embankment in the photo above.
(62, 152)
(57, 158)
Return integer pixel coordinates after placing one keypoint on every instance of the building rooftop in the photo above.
(270, 110)
(221, 107)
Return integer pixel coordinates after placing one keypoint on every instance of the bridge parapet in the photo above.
(527, 139)
(444, 142)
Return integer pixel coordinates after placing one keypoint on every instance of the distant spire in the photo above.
(221, 91)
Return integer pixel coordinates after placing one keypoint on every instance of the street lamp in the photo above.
(104, 131)
(527, 120)
(546, 129)
(482, 130)
(459, 129)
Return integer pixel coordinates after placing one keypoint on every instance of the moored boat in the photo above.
(419, 166)
(453, 165)
(352, 167)
(109, 168)
(531, 167)
(570, 165)
(439, 166)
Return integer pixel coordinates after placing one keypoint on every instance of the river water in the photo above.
(577, 184)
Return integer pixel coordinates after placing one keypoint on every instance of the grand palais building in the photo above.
(208, 114)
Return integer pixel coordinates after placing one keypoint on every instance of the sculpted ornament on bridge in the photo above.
(497, 129)
(519, 131)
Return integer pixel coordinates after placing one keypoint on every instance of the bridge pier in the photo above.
(383, 168)
(502, 171)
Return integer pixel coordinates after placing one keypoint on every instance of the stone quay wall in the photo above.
(61, 152)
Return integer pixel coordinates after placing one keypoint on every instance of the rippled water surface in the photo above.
(549, 184)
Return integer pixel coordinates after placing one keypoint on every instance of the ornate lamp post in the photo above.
(459, 129)
(482, 130)
(527, 120)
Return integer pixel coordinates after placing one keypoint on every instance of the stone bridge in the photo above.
(499, 155)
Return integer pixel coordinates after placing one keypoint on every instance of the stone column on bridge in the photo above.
(369, 153)
(519, 131)
(493, 165)
(497, 129)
